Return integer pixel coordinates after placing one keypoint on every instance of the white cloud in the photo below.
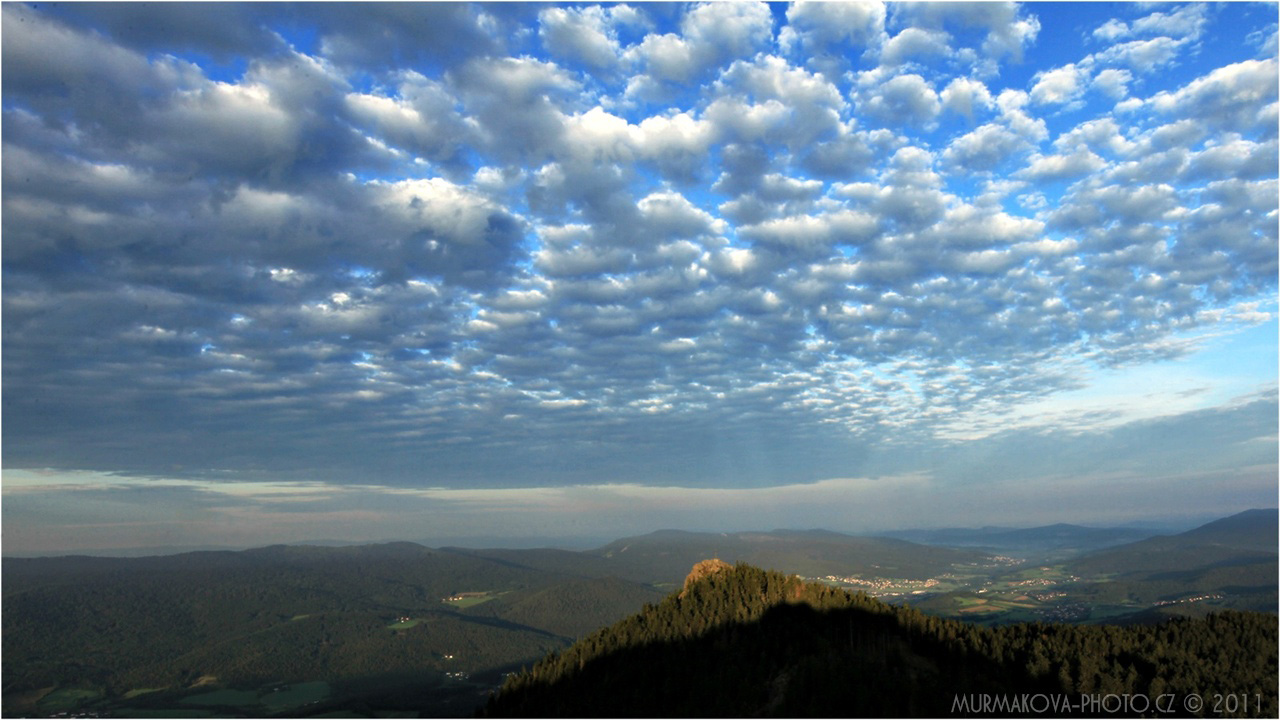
(711, 36)
(1111, 30)
(1060, 85)
(965, 95)
(583, 34)
(985, 148)
(812, 105)
(665, 57)
(1069, 166)
(1186, 21)
(812, 235)
(1232, 97)
(915, 44)
(902, 100)
(1008, 31)
(1113, 82)
(818, 26)
(1142, 56)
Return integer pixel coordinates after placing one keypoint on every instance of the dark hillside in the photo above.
(571, 609)
(105, 634)
(564, 562)
(744, 642)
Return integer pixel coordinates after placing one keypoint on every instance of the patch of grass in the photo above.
(170, 713)
(64, 699)
(29, 699)
(404, 624)
(140, 691)
(1043, 572)
(293, 696)
(295, 618)
(228, 697)
(470, 599)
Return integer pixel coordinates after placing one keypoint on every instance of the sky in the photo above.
(537, 272)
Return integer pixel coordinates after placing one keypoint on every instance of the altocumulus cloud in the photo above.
(507, 248)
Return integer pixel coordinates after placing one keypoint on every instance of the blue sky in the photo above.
(276, 273)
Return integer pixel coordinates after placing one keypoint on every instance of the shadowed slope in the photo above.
(745, 642)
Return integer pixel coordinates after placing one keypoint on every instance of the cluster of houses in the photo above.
(884, 586)
(1198, 598)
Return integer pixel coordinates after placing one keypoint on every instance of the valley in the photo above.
(394, 629)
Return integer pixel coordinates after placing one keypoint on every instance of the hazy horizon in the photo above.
(1167, 525)
(276, 272)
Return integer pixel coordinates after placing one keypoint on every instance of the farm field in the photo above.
(471, 599)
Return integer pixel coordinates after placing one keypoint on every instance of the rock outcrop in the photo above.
(703, 569)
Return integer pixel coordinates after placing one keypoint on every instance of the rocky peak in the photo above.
(703, 569)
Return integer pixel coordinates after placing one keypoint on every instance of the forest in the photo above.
(745, 642)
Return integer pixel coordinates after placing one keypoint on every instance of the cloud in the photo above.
(712, 35)
(1185, 21)
(605, 246)
(965, 95)
(1060, 85)
(985, 148)
(583, 34)
(1239, 96)
(393, 35)
(915, 43)
(1063, 167)
(901, 100)
(816, 26)
(1142, 56)
(1008, 32)
(1111, 30)
(1113, 82)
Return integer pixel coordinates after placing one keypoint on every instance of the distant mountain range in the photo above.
(1061, 536)
(398, 627)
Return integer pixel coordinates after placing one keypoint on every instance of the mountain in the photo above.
(1244, 538)
(1250, 530)
(666, 556)
(391, 623)
(1059, 537)
(1235, 557)
(401, 628)
(743, 642)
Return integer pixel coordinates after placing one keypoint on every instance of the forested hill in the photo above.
(1234, 557)
(740, 642)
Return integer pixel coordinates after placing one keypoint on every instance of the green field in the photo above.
(64, 699)
(170, 713)
(404, 624)
(140, 691)
(233, 698)
(292, 696)
(472, 599)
